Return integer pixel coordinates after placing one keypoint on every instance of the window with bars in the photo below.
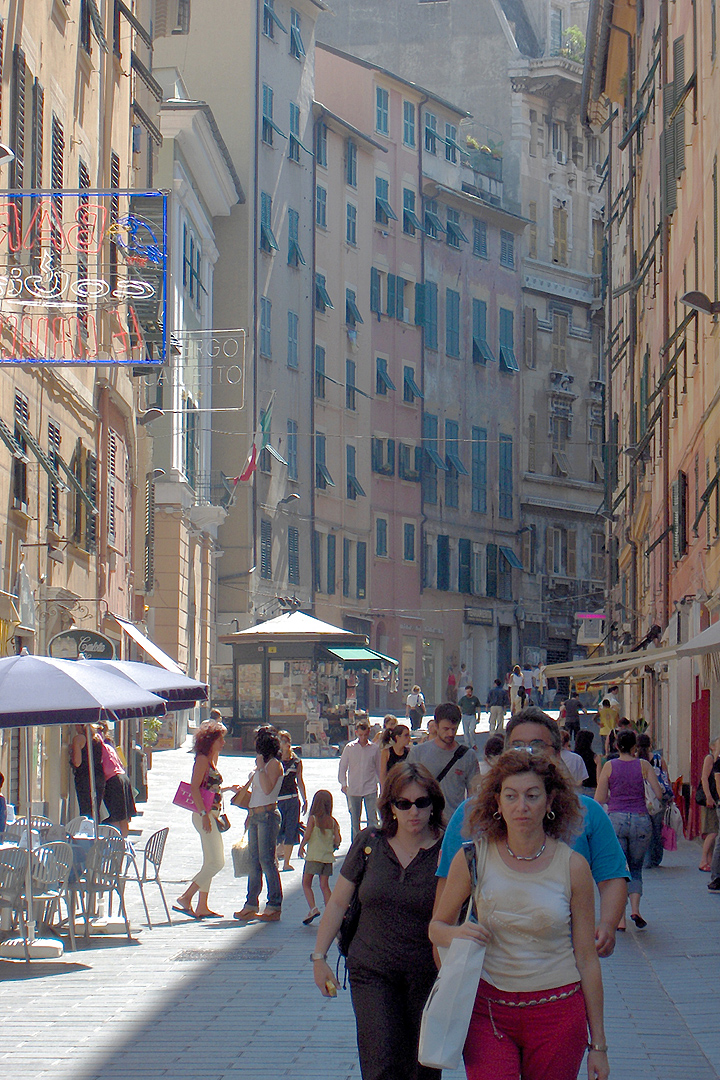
(293, 540)
(265, 327)
(321, 207)
(319, 372)
(292, 450)
(265, 548)
(351, 163)
(409, 123)
(293, 320)
(505, 477)
(382, 108)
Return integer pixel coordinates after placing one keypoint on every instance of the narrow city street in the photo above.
(216, 1001)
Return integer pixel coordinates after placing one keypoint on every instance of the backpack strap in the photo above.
(460, 752)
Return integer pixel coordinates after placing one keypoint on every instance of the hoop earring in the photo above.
(550, 815)
(497, 815)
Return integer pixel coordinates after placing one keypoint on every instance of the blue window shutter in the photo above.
(375, 290)
(419, 303)
(331, 547)
(391, 294)
(361, 574)
(464, 565)
(400, 284)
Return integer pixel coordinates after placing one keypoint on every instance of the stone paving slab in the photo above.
(221, 1001)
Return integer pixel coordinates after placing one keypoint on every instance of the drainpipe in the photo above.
(665, 452)
(313, 552)
(423, 518)
(253, 336)
(609, 560)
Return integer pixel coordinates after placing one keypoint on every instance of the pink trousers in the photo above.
(530, 1042)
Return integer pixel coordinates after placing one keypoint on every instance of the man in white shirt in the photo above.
(359, 776)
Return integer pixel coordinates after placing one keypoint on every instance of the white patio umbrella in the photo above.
(180, 691)
(38, 691)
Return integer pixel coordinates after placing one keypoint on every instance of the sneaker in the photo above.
(270, 915)
(246, 913)
(714, 885)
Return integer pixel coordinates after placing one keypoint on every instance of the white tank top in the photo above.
(258, 796)
(529, 918)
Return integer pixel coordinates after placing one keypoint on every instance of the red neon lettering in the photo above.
(120, 334)
(88, 232)
(10, 326)
(45, 228)
(137, 329)
(9, 225)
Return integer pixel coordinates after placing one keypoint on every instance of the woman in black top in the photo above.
(396, 750)
(81, 772)
(293, 786)
(390, 960)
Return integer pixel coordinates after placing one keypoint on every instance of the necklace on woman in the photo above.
(526, 858)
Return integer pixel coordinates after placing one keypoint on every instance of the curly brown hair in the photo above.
(399, 777)
(205, 736)
(559, 790)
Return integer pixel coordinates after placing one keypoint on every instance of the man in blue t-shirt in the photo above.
(533, 729)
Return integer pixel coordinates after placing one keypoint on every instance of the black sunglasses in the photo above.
(407, 804)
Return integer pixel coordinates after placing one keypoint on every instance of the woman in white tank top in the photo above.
(263, 824)
(541, 987)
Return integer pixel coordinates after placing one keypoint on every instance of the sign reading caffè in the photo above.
(72, 644)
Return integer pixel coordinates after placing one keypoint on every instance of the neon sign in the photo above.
(83, 277)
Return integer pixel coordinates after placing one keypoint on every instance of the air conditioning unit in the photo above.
(561, 159)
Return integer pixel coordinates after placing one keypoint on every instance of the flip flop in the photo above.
(185, 911)
(311, 917)
(705, 869)
(210, 915)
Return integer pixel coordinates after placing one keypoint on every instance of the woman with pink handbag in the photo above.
(208, 742)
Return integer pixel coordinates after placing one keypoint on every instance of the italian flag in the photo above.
(262, 438)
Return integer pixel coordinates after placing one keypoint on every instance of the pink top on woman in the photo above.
(626, 788)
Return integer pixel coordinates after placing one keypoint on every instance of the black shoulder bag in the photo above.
(351, 918)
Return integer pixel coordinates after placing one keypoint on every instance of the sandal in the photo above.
(706, 868)
(185, 911)
(312, 915)
(640, 923)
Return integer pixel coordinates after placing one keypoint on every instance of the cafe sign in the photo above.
(71, 644)
(83, 277)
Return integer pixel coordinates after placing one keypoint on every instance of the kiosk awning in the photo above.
(362, 658)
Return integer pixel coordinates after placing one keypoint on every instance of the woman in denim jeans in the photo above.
(622, 786)
(263, 825)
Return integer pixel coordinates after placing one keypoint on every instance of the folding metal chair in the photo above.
(152, 858)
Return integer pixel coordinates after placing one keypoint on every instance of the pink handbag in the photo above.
(184, 797)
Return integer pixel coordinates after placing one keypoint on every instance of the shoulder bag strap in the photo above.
(460, 752)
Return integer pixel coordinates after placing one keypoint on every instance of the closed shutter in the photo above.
(679, 516)
(491, 566)
(667, 153)
(331, 552)
(375, 290)
(391, 295)
(443, 563)
(419, 304)
(678, 87)
(361, 570)
(293, 555)
(36, 175)
(571, 553)
(530, 336)
(316, 567)
(464, 566)
(532, 442)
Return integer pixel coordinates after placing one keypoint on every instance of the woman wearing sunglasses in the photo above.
(390, 961)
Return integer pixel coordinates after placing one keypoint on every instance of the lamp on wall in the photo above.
(700, 302)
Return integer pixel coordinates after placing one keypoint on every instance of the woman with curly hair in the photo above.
(541, 987)
(390, 962)
(263, 825)
(207, 744)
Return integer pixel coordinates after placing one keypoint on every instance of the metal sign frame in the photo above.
(83, 277)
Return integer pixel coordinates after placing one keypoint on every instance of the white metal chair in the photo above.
(79, 825)
(152, 858)
(13, 863)
(51, 865)
(102, 876)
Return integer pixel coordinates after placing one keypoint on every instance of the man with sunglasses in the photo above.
(359, 776)
(532, 729)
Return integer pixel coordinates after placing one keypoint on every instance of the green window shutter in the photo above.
(491, 570)
(316, 568)
(331, 547)
(667, 153)
(679, 516)
(400, 284)
(391, 295)
(452, 322)
(431, 315)
(346, 567)
(376, 454)
(678, 87)
(375, 290)
(361, 570)
(419, 304)
(443, 563)
(464, 565)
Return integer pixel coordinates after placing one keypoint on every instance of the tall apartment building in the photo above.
(517, 70)
(657, 67)
(263, 104)
(78, 113)
(374, 165)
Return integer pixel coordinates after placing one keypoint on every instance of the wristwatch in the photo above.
(597, 1047)
(318, 956)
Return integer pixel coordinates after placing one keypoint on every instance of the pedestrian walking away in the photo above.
(207, 744)
(515, 683)
(390, 961)
(584, 749)
(573, 708)
(293, 786)
(469, 706)
(415, 707)
(454, 766)
(621, 785)
(322, 839)
(498, 703)
(540, 991)
(359, 776)
(596, 842)
(655, 851)
(263, 825)
(573, 762)
(493, 749)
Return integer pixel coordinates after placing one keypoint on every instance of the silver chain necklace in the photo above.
(526, 858)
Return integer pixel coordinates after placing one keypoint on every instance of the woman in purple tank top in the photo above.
(622, 786)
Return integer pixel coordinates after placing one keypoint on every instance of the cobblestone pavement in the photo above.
(217, 1001)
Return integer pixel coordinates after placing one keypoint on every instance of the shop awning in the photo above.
(706, 642)
(364, 659)
(153, 651)
(593, 668)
